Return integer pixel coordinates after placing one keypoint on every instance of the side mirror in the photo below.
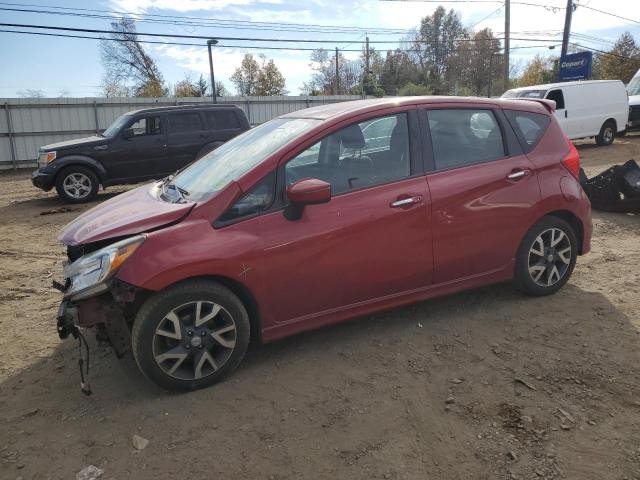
(128, 133)
(308, 191)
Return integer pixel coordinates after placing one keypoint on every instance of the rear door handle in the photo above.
(405, 202)
(518, 174)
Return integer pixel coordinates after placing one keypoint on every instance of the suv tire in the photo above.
(546, 257)
(77, 184)
(190, 335)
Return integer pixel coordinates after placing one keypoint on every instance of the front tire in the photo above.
(190, 335)
(546, 257)
(607, 134)
(77, 184)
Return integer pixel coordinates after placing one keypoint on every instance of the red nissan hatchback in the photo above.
(322, 215)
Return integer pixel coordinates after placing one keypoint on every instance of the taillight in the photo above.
(572, 160)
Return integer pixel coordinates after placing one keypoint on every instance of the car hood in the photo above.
(130, 213)
(76, 142)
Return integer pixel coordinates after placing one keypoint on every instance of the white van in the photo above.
(633, 89)
(591, 108)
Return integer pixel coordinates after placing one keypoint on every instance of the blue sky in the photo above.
(56, 65)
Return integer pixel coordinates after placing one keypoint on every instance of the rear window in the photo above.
(221, 119)
(185, 122)
(529, 127)
(463, 137)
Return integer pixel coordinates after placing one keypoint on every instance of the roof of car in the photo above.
(333, 110)
(549, 86)
(171, 108)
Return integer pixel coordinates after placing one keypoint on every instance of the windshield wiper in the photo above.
(182, 193)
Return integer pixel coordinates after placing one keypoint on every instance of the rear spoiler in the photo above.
(550, 105)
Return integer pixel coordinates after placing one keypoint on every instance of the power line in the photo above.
(484, 18)
(606, 53)
(201, 21)
(251, 47)
(607, 13)
(242, 39)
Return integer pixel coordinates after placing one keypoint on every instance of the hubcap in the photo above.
(608, 134)
(549, 257)
(194, 340)
(77, 185)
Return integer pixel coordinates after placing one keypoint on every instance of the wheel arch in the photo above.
(573, 220)
(82, 161)
(615, 124)
(242, 292)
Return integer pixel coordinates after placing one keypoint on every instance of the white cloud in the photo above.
(139, 6)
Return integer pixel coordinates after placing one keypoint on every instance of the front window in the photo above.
(115, 127)
(634, 85)
(146, 126)
(232, 160)
(362, 155)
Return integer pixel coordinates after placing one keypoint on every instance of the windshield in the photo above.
(229, 162)
(524, 94)
(634, 85)
(115, 127)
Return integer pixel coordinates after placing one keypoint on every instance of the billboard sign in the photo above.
(576, 66)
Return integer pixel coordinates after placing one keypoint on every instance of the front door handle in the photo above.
(518, 174)
(405, 202)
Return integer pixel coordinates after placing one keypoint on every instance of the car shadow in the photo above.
(485, 337)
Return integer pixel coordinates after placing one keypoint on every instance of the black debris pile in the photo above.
(617, 189)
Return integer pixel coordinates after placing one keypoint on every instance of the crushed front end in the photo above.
(94, 298)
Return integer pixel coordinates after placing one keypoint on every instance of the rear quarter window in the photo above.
(222, 119)
(529, 127)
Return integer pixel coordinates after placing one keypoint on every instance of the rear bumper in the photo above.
(42, 180)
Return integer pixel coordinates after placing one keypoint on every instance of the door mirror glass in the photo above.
(308, 191)
(128, 133)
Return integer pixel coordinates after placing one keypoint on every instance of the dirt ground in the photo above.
(487, 384)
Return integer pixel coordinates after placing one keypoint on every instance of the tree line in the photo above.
(441, 57)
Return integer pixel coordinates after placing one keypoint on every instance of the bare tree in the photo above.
(125, 60)
(324, 81)
(31, 93)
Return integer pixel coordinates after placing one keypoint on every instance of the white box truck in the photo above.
(588, 108)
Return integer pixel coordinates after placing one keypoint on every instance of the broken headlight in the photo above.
(89, 274)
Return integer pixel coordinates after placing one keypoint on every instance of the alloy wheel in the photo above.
(77, 185)
(194, 340)
(549, 257)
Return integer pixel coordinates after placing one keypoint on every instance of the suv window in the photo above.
(146, 126)
(358, 156)
(558, 97)
(464, 137)
(256, 200)
(529, 127)
(221, 119)
(185, 122)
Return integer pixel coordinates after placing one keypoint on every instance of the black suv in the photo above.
(139, 145)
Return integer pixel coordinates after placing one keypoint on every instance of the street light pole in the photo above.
(213, 80)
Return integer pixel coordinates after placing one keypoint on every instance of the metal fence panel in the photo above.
(28, 123)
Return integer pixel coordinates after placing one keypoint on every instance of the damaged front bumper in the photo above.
(111, 313)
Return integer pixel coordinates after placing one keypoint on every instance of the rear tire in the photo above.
(607, 134)
(77, 184)
(190, 335)
(546, 257)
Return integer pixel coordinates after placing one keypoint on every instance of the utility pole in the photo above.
(337, 75)
(490, 74)
(507, 34)
(213, 80)
(367, 70)
(567, 28)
